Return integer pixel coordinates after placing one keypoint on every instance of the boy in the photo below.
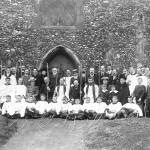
(8, 107)
(19, 108)
(113, 108)
(112, 93)
(31, 111)
(76, 111)
(130, 109)
(99, 108)
(41, 105)
(139, 93)
(65, 106)
(53, 108)
(88, 108)
(104, 93)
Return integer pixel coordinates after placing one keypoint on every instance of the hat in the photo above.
(122, 77)
(32, 79)
(104, 78)
(75, 71)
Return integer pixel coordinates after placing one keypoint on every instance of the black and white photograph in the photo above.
(74, 74)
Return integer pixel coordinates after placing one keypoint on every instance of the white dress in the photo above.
(99, 107)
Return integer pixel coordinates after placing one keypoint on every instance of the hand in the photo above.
(48, 88)
(139, 100)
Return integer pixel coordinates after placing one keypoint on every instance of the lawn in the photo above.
(124, 134)
(7, 128)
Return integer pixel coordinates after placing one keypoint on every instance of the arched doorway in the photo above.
(60, 57)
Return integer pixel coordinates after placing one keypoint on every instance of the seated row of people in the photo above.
(69, 110)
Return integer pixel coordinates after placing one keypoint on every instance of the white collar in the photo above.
(114, 91)
(104, 90)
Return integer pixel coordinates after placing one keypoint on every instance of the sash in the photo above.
(93, 89)
(64, 89)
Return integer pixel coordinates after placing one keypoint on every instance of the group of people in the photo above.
(76, 95)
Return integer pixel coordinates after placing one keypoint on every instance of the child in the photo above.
(8, 107)
(53, 108)
(130, 109)
(88, 108)
(139, 93)
(65, 106)
(99, 108)
(41, 105)
(112, 93)
(31, 111)
(113, 108)
(19, 108)
(76, 111)
(104, 93)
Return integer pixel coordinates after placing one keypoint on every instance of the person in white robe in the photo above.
(53, 107)
(21, 89)
(113, 108)
(132, 108)
(67, 79)
(91, 90)
(8, 107)
(60, 91)
(87, 105)
(42, 105)
(13, 80)
(7, 89)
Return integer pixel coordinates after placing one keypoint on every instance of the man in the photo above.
(113, 80)
(60, 91)
(26, 78)
(83, 78)
(46, 89)
(37, 78)
(67, 79)
(8, 75)
(91, 90)
(75, 77)
(109, 70)
(101, 74)
(123, 90)
(54, 79)
(139, 93)
(93, 75)
(76, 92)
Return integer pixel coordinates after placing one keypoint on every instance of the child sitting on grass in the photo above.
(76, 111)
(53, 108)
(65, 106)
(130, 109)
(113, 108)
(31, 111)
(19, 108)
(41, 106)
(88, 108)
(8, 107)
(99, 108)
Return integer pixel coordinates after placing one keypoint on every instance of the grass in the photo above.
(124, 134)
(6, 131)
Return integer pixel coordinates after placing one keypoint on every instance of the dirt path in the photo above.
(54, 136)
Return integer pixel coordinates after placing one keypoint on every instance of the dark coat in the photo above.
(95, 78)
(105, 96)
(140, 92)
(72, 80)
(124, 93)
(113, 80)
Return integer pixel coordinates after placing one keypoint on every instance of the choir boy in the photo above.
(113, 108)
(42, 105)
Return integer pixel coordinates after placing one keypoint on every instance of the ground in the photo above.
(124, 134)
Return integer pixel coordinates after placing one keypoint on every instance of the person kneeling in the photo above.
(76, 111)
(130, 109)
(113, 108)
(31, 111)
(65, 106)
(53, 108)
(41, 106)
(99, 108)
(88, 108)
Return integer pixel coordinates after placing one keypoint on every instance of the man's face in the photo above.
(90, 81)
(68, 72)
(92, 71)
(114, 72)
(130, 100)
(109, 68)
(54, 71)
(43, 72)
(26, 71)
(76, 83)
(8, 71)
(122, 81)
(35, 71)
